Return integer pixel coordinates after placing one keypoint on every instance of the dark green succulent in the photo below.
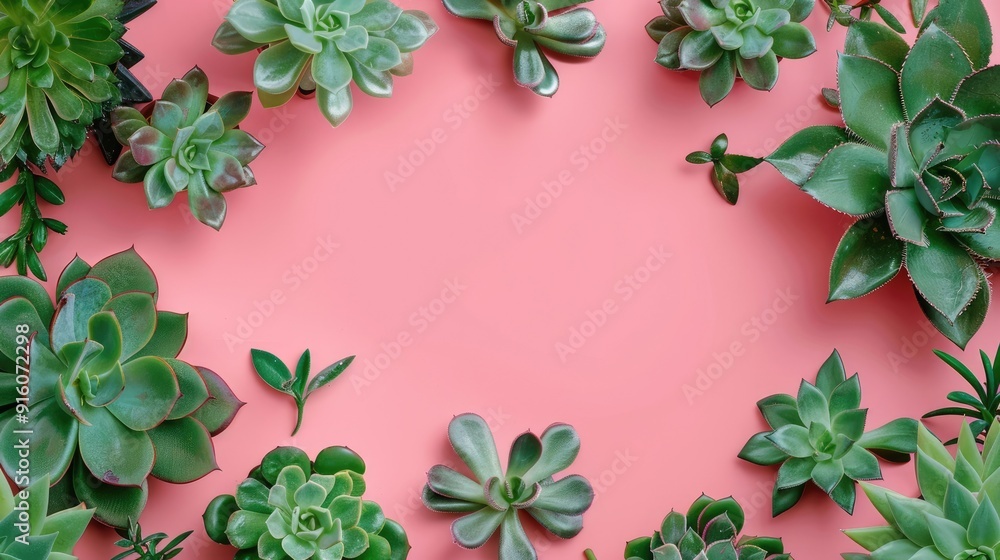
(983, 407)
(148, 548)
(48, 536)
(494, 499)
(725, 167)
(532, 26)
(848, 12)
(726, 39)
(294, 508)
(32, 235)
(108, 403)
(819, 436)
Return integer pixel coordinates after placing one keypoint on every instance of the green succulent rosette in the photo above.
(955, 517)
(108, 403)
(531, 27)
(188, 143)
(710, 530)
(56, 64)
(294, 508)
(819, 437)
(494, 499)
(726, 39)
(324, 46)
(48, 536)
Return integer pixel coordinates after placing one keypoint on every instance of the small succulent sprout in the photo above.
(982, 407)
(48, 536)
(493, 499)
(725, 167)
(291, 508)
(188, 143)
(532, 26)
(848, 12)
(955, 516)
(32, 235)
(710, 530)
(322, 46)
(110, 402)
(819, 436)
(727, 39)
(148, 548)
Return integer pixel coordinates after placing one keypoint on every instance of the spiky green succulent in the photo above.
(819, 436)
(108, 404)
(982, 407)
(493, 499)
(322, 46)
(532, 26)
(56, 63)
(726, 39)
(956, 516)
(42, 536)
(709, 531)
(188, 143)
(294, 508)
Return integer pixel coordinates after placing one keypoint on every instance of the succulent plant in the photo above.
(276, 374)
(725, 167)
(846, 12)
(914, 164)
(532, 26)
(955, 518)
(146, 548)
(291, 507)
(24, 245)
(324, 45)
(108, 403)
(494, 499)
(820, 436)
(188, 144)
(984, 406)
(726, 39)
(47, 536)
(709, 531)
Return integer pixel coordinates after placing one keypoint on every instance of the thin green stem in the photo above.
(589, 554)
(301, 405)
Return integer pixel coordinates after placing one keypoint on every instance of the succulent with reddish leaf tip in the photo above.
(188, 143)
(108, 402)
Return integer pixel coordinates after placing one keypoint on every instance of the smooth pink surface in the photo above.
(648, 446)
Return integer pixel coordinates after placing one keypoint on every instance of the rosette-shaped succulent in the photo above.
(56, 62)
(294, 508)
(493, 499)
(709, 531)
(48, 536)
(956, 516)
(324, 45)
(188, 143)
(820, 437)
(532, 26)
(108, 403)
(726, 39)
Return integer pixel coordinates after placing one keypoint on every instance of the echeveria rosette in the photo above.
(493, 499)
(984, 405)
(109, 402)
(184, 146)
(49, 536)
(819, 436)
(294, 508)
(532, 26)
(710, 530)
(726, 39)
(323, 46)
(56, 64)
(956, 516)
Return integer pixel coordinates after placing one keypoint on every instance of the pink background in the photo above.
(648, 446)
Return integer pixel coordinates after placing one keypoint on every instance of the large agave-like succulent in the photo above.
(188, 143)
(324, 45)
(530, 27)
(294, 508)
(820, 437)
(956, 516)
(48, 536)
(709, 531)
(108, 402)
(493, 499)
(726, 39)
